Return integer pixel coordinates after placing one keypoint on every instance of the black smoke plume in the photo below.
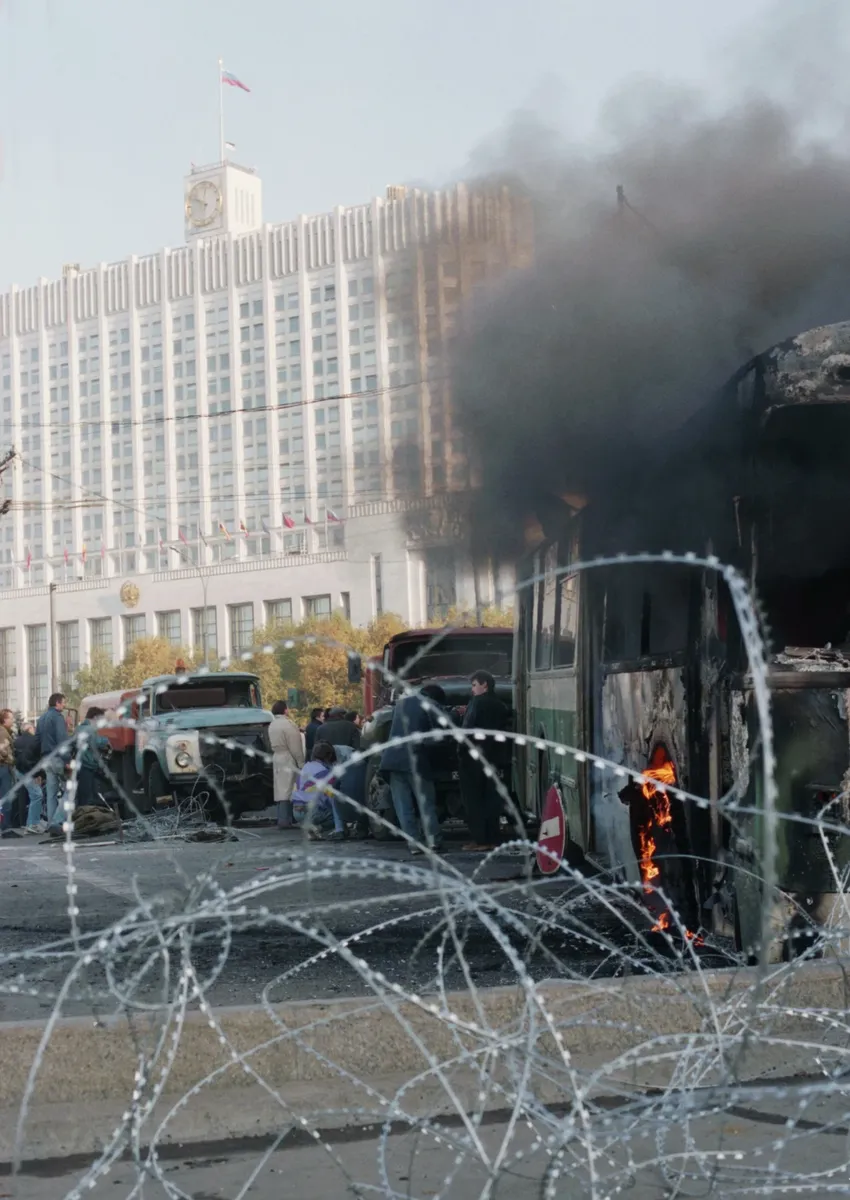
(732, 231)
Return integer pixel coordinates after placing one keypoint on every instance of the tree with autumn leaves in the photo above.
(311, 657)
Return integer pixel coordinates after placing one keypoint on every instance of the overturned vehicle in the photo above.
(654, 664)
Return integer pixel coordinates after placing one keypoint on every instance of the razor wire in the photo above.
(589, 1097)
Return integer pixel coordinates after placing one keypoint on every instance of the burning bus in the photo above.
(644, 663)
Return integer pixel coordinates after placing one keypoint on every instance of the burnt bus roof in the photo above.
(687, 494)
(809, 368)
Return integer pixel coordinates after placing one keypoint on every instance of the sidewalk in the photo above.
(726, 1153)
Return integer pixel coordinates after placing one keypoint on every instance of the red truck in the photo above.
(122, 735)
(444, 656)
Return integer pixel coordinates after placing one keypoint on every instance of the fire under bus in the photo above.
(644, 664)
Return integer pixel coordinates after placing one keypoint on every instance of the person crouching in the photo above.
(313, 804)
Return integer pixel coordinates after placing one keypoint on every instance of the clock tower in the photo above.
(222, 198)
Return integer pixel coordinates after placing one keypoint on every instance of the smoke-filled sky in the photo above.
(738, 235)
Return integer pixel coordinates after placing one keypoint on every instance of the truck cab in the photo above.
(203, 732)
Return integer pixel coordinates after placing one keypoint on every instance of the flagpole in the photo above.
(221, 110)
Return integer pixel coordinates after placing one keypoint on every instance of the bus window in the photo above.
(548, 589)
(567, 617)
(646, 612)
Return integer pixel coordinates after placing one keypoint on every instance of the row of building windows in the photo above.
(204, 631)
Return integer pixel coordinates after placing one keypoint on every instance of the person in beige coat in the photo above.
(287, 759)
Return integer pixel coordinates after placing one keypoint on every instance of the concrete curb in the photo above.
(326, 1059)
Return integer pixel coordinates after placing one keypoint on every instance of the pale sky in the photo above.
(104, 103)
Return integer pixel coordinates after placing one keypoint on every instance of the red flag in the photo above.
(223, 529)
(29, 558)
(66, 556)
(244, 528)
(182, 537)
(161, 545)
(331, 515)
(102, 549)
(288, 522)
(84, 553)
(307, 520)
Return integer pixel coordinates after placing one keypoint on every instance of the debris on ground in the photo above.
(92, 820)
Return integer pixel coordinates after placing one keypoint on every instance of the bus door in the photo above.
(643, 711)
(553, 694)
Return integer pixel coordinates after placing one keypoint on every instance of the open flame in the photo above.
(660, 775)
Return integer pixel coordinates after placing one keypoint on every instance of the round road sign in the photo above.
(552, 838)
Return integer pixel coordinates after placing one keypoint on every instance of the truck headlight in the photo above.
(183, 752)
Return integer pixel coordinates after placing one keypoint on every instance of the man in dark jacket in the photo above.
(337, 731)
(408, 766)
(27, 755)
(317, 716)
(481, 798)
(52, 733)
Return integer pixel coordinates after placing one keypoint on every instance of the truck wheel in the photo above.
(379, 800)
(156, 785)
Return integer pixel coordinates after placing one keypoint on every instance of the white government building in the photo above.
(254, 425)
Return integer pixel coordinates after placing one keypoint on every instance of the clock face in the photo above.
(203, 204)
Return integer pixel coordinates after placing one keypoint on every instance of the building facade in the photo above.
(256, 413)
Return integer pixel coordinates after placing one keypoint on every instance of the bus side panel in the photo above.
(553, 701)
(639, 709)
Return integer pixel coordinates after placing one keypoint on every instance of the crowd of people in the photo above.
(310, 790)
(311, 783)
(33, 767)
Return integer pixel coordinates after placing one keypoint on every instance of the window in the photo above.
(279, 611)
(547, 589)
(440, 583)
(37, 667)
(168, 626)
(7, 668)
(134, 629)
(100, 635)
(646, 612)
(317, 606)
(567, 617)
(345, 597)
(241, 627)
(69, 651)
(198, 630)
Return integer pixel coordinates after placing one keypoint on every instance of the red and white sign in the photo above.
(552, 838)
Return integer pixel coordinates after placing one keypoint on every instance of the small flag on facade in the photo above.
(288, 522)
(29, 558)
(243, 528)
(331, 515)
(66, 556)
(265, 525)
(84, 553)
(222, 528)
(232, 81)
(182, 537)
(230, 145)
(307, 520)
(161, 544)
(102, 549)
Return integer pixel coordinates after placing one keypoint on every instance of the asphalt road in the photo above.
(272, 911)
(775, 1146)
